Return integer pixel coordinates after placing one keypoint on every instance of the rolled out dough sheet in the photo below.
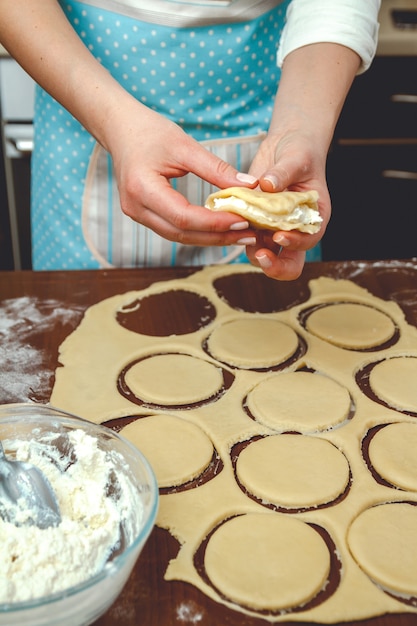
(317, 394)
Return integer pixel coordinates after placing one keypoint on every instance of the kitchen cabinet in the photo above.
(372, 166)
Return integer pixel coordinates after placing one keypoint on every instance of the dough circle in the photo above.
(393, 381)
(253, 342)
(293, 471)
(383, 541)
(177, 450)
(392, 452)
(350, 325)
(173, 379)
(267, 561)
(300, 401)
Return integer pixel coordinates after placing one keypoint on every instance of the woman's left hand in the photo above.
(315, 80)
(297, 166)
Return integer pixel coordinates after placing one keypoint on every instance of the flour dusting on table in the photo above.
(23, 368)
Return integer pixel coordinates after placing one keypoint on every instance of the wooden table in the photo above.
(39, 309)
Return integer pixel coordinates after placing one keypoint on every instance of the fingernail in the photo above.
(246, 178)
(271, 179)
(247, 241)
(263, 261)
(239, 226)
(281, 240)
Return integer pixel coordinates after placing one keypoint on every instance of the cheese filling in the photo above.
(300, 214)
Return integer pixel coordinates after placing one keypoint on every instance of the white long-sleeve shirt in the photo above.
(352, 23)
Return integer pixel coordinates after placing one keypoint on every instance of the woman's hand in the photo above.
(314, 82)
(148, 151)
(298, 166)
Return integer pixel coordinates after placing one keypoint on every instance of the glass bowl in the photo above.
(86, 601)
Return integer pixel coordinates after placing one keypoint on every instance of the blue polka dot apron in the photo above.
(209, 66)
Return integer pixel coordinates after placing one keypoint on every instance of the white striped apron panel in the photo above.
(115, 240)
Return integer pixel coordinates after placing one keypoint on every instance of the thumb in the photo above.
(275, 179)
(288, 169)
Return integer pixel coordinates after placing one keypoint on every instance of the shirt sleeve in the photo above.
(351, 23)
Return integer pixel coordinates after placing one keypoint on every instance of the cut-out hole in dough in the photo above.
(383, 541)
(252, 343)
(178, 450)
(350, 325)
(397, 280)
(299, 401)
(394, 382)
(393, 454)
(293, 471)
(172, 312)
(267, 561)
(172, 380)
(256, 293)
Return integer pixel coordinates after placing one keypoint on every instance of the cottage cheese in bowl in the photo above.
(107, 496)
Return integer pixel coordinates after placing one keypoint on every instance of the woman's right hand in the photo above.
(148, 151)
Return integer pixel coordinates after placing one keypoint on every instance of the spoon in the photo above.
(26, 496)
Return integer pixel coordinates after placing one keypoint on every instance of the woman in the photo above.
(150, 106)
